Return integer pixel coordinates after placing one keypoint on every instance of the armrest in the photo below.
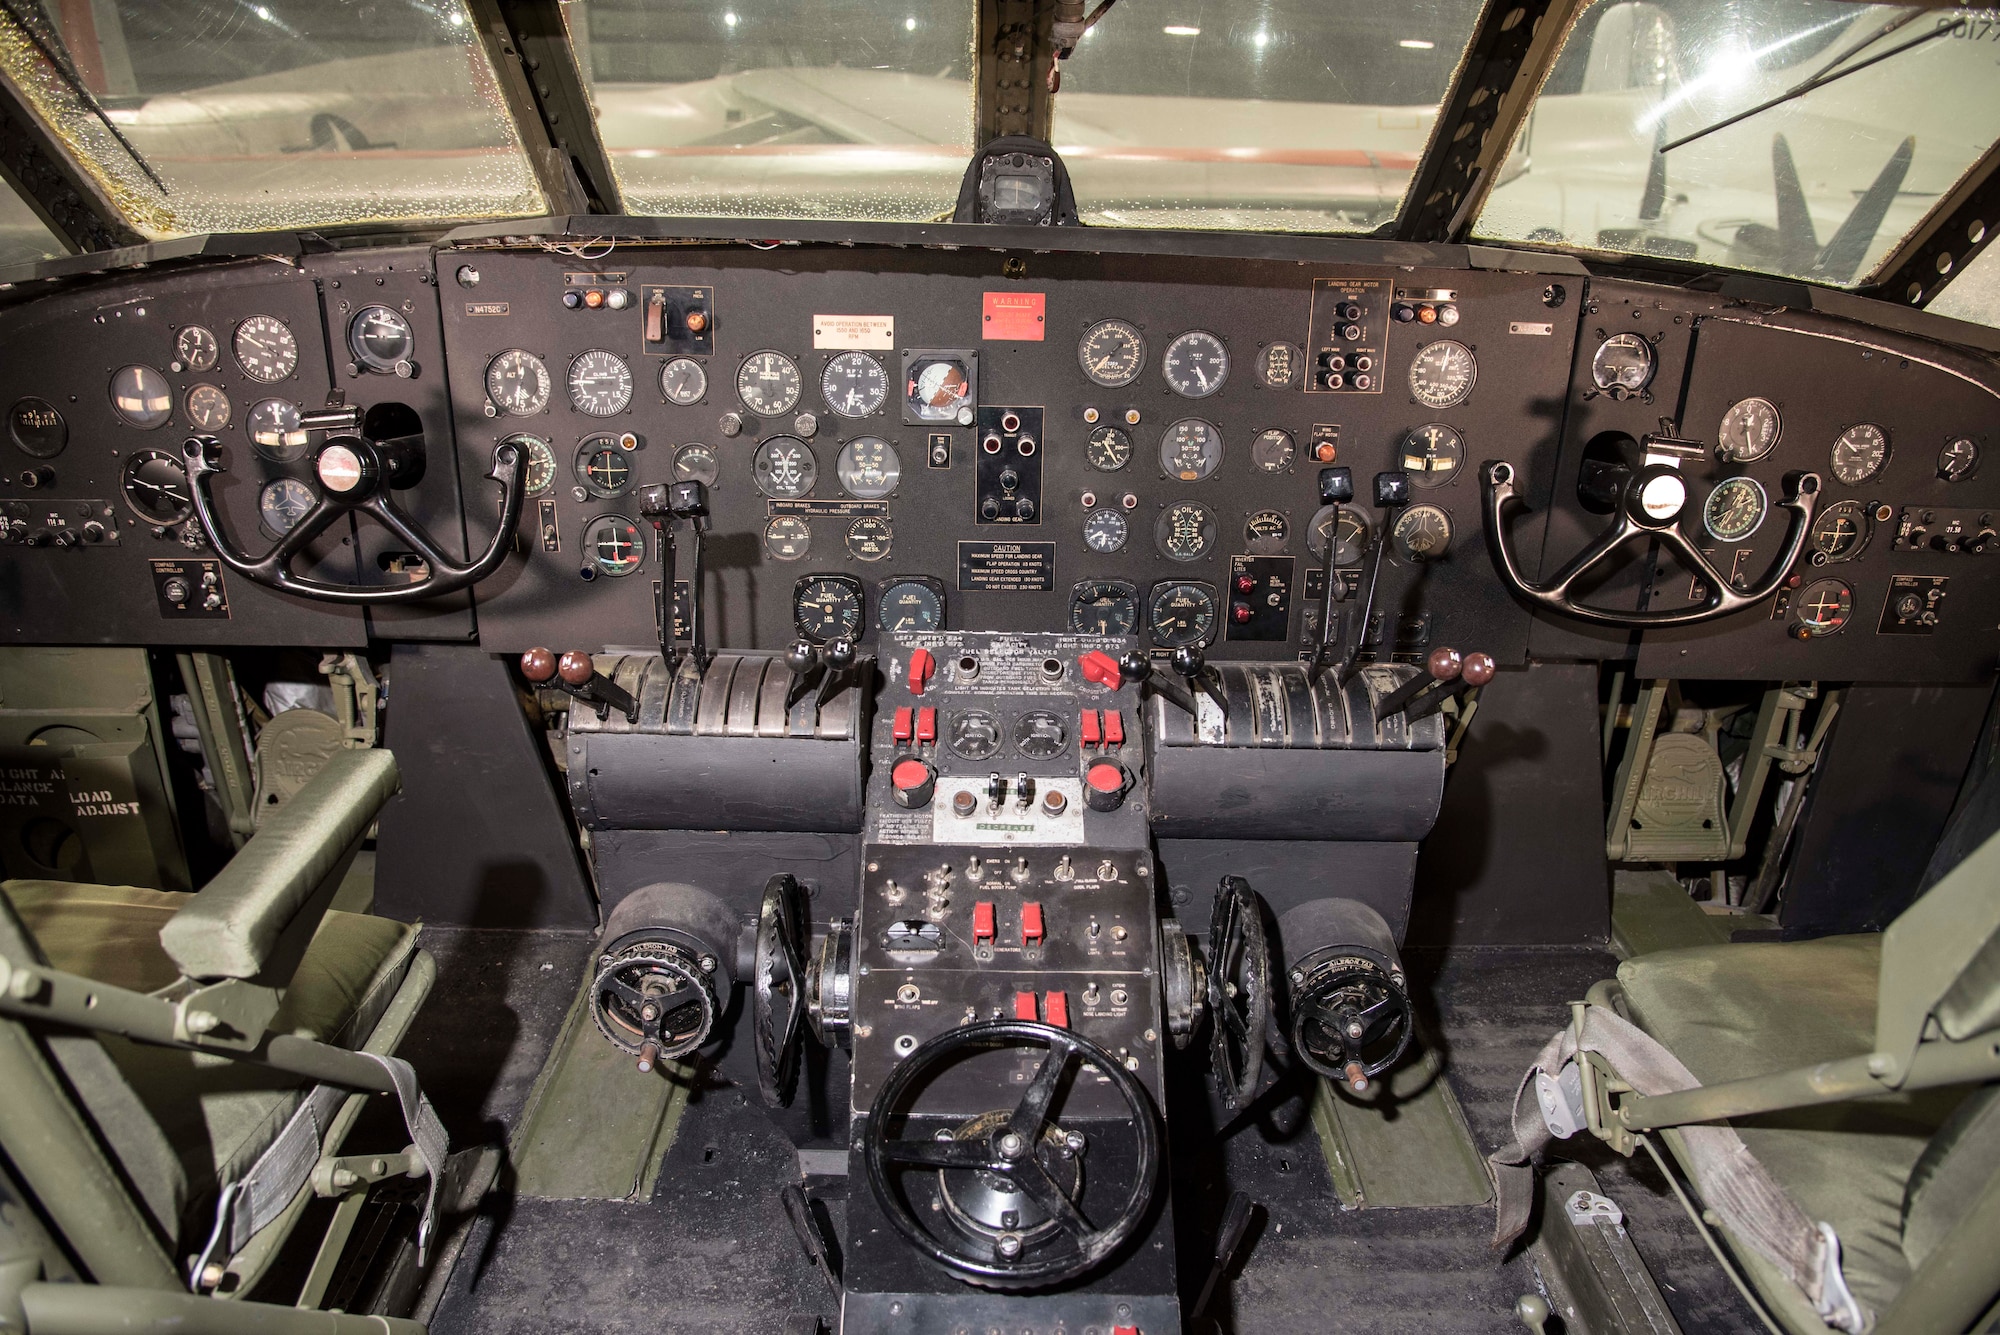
(254, 920)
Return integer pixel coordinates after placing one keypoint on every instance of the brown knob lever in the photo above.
(1476, 671)
(576, 674)
(1443, 665)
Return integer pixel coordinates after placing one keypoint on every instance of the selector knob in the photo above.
(912, 782)
(1105, 784)
(575, 667)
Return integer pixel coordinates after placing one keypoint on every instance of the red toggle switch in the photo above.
(982, 920)
(1055, 1009)
(922, 666)
(1101, 668)
(1114, 727)
(927, 724)
(1031, 923)
(1024, 1006)
(902, 723)
(1090, 734)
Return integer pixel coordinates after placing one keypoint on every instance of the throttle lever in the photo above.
(1191, 663)
(803, 658)
(656, 508)
(1138, 669)
(1392, 493)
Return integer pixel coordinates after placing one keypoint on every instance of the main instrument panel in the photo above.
(920, 440)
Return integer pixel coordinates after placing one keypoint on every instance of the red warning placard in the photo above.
(1018, 316)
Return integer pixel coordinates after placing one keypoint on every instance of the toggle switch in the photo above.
(927, 724)
(1089, 730)
(904, 723)
(1024, 1006)
(982, 921)
(1055, 1009)
(1031, 923)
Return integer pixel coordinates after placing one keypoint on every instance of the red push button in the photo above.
(1055, 1009)
(1101, 668)
(982, 920)
(1090, 734)
(1114, 727)
(1024, 1006)
(902, 723)
(912, 783)
(927, 724)
(1031, 923)
(922, 667)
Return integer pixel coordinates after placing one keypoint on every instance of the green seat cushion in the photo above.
(217, 1114)
(1733, 1011)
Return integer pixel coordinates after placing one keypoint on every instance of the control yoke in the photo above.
(364, 457)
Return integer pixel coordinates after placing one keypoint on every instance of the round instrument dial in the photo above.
(602, 467)
(1346, 526)
(1180, 614)
(600, 383)
(1735, 509)
(207, 407)
(683, 382)
(1958, 459)
(1108, 449)
(939, 390)
(1190, 450)
(1273, 450)
(868, 468)
(1432, 454)
(265, 348)
(768, 383)
(1749, 431)
(155, 484)
(1840, 532)
(1279, 366)
(972, 734)
(869, 538)
(141, 397)
(1422, 533)
(784, 468)
(282, 504)
(1265, 533)
(1186, 531)
(275, 431)
(1823, 608)
(1105, 531)
(616, 545)
(1112, 353)
(518, 382)
(696, 462)
(37, 426)
(1103, 607)
(910, 605)
(538, 463)
(1443, 374)
(1196, 364)
(1859, 453)
(1039, 735)
(827, 607)
(787, 538)
(196, 349)
(854, 384)
(1623, 364)
(381, 339)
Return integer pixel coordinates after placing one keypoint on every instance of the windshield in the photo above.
(781, 108)
(24, 237)
(1975, 294)
(1301, 115)
(219, 115)
(1820, 185)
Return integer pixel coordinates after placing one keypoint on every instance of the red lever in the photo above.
(982, 920)
(902, 723)
(1031, 923)
(1024, 1006)
(1101, 668)
(922, 666)
(927, 724)
(1090, 734)
(1055, 1009)
(1114, 727)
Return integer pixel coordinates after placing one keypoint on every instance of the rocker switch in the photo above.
(1031, 923)
(1024, 1006)
(982, 921)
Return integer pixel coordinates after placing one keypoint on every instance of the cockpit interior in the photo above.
(1048, 667)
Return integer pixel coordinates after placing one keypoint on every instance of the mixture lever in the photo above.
(576, 674)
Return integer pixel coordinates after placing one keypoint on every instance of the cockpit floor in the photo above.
(713, 1252)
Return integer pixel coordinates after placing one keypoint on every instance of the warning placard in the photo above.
(1007, 567)
(877, 332)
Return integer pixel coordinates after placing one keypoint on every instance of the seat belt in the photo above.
(1742, 1192)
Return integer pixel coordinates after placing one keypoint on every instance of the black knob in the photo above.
(35, 478)
(1134, 665)
(1336, 485)
(1024, 508)
(1009, 479)
(989, 508)
(688, 500)
(68, 537)
(840, 655)
(1189, 661)
(802, 657)
(654, 502)
(1392, 488)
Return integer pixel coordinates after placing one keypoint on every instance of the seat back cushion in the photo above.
(1954, 1168)
(110, 933)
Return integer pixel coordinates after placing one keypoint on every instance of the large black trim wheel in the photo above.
(1239, 990)
(778, 989)
(1005, 1189)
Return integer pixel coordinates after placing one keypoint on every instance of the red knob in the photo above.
(1241, 612)
(538, 665)
(1245, 584)
(1479, 668)
(1444, 664)
(576, 667)
(912, 782)
(1101, 668)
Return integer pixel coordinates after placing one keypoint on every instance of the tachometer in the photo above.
(1195, 364)
(1735, 509)
(282, 504)
(683, 382)
(275, 431)
(141, 397)
(197, 349)
(1432, 454)
(518, 382)
(827, 607)
(1180, 614)
(1103, 607)
(156, 487)
(696, 462)
(1443, 374)
(265, 348)
(854, 384)
(381, 340)
(868, 468)
(784, 468)
(1104, 531)
(602, 467)
(1749, 431)
(600, 383)
(1108, 449)
(910, 605)
(207, 407)
(616, 545)
(1185, 532)
(768, 383)
(1112, 353)
(1859, 453)
(1190, 450)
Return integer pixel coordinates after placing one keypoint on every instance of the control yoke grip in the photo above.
(1496, 479)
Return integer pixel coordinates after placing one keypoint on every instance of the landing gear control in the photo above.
(663, 976)
(1351, 1017)
(1238, 965)
(998, 1198)
(778, 990)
